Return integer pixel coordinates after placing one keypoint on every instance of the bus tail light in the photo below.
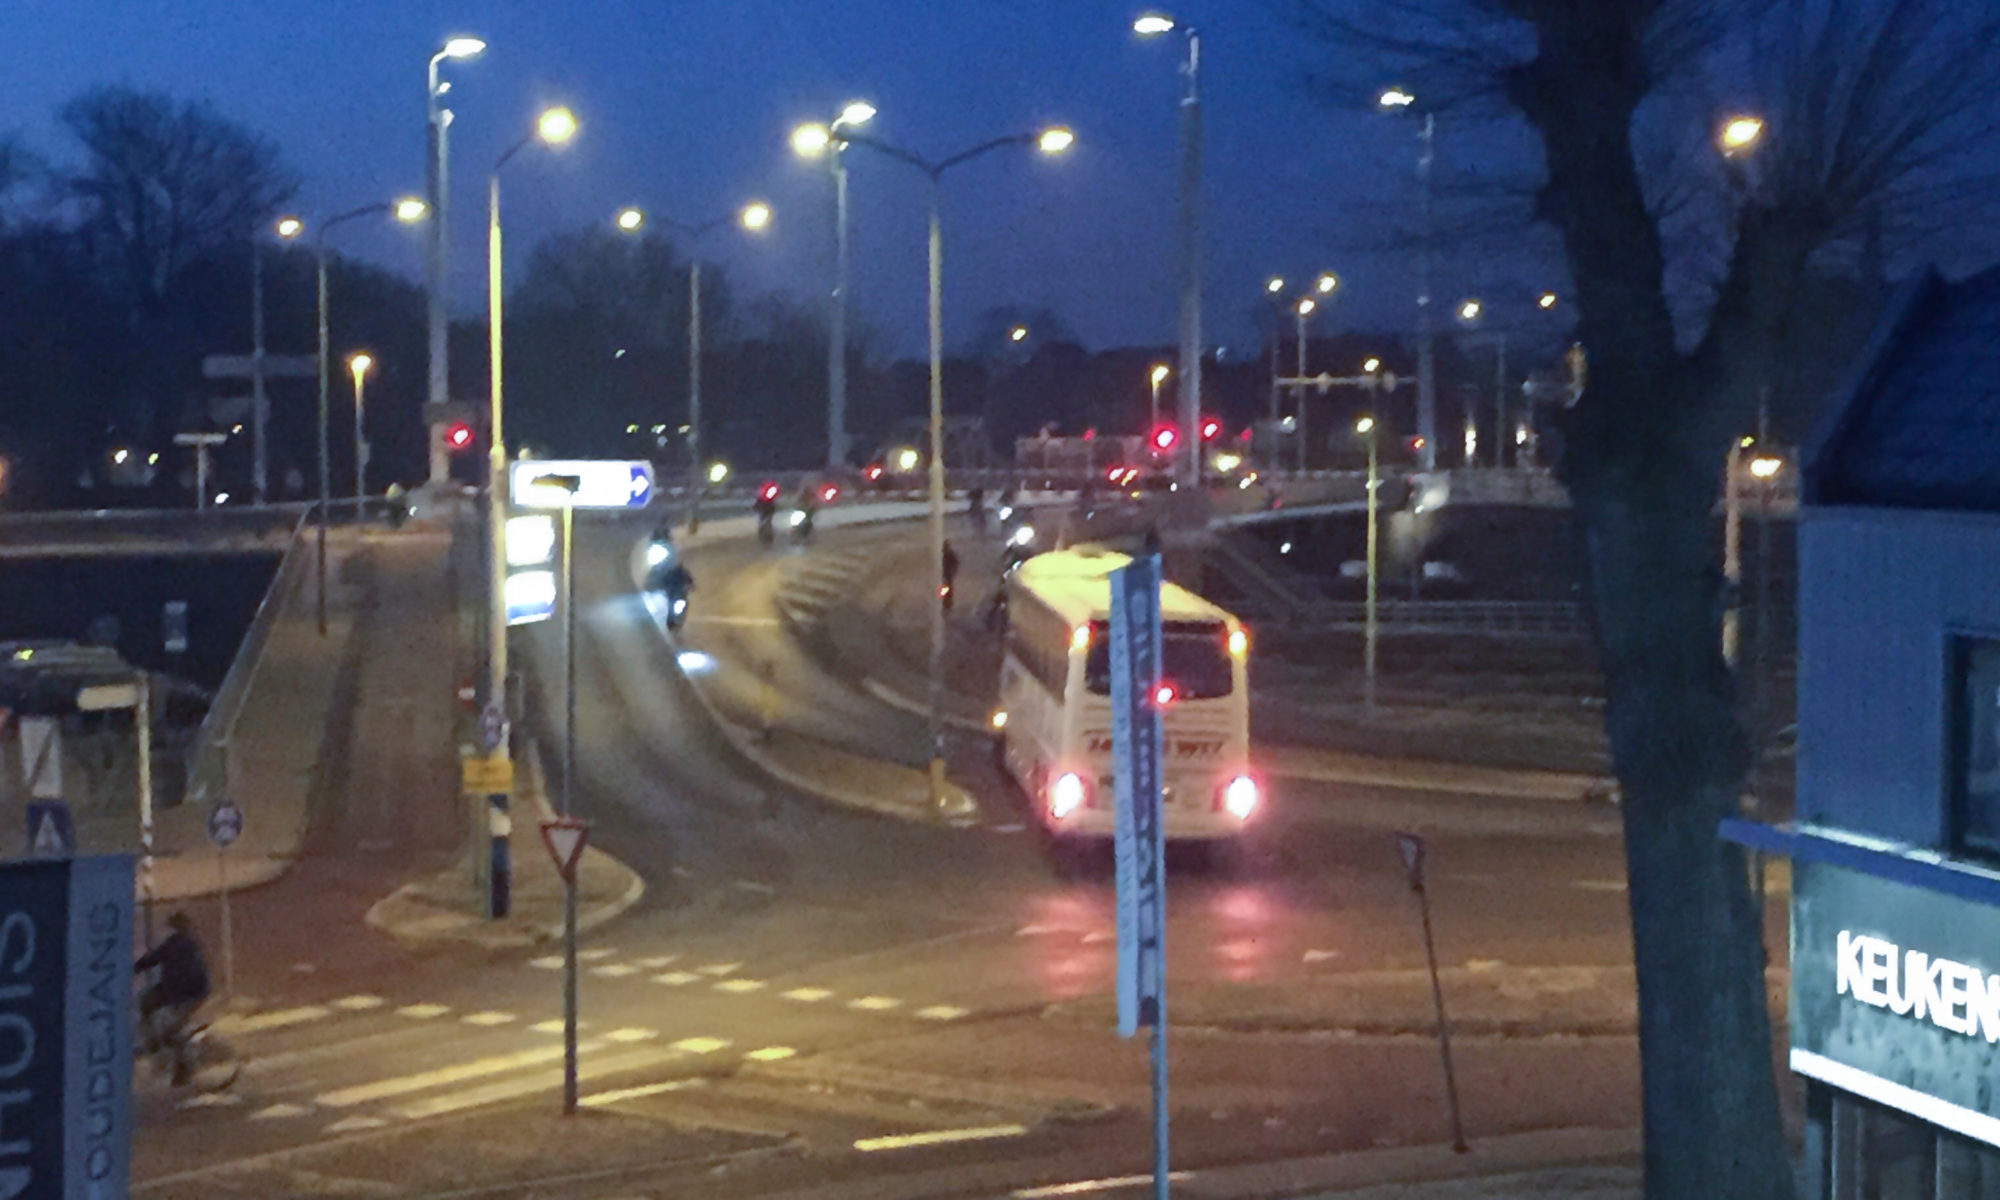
(1067, 794)
(1239, 797)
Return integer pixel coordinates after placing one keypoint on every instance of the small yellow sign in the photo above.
(487, 776)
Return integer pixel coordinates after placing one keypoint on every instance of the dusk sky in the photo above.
(686, 108)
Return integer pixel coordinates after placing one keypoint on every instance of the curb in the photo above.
(1513, 1154)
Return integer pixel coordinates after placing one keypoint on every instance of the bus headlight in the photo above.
(1066, 795)
(1240, 797)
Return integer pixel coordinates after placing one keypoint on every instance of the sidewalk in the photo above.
(1563, 1164)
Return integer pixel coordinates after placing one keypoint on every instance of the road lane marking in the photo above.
(278, 1112)
(258, 1022)
(386, 1089)
(721, 968)
(597, 954)
(423, 1012)
(771, 1054)
(1599, 885)
(213, 1100)
(875, 1003)
(615, 970)
(940, 1137)
(1038, 930)
(356, 1124)
(358, 1003)
(808, 995)
(941, 1012)
(1087, 1186)
(677, 978)
(702, 1045)
(640, 1093)
(487, 1020)
(659, 963)
(740, 985)
(1313, 956)
(751, 885)
(1099, 937)
(530, 1083)
(555, 1026)
(632, 1035)
(553, 962)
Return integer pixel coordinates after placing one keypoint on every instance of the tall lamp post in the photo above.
(1305, 307)
(1367, 428)
(1397, 99)
(436, 270)
(407, 210)
(1159, 376)
(555, 127)
(813, 141)
(1189, 239)
(359, 363)
(754, 217)
(1050, 141)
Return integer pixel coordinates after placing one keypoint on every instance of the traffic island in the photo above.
(447, 908)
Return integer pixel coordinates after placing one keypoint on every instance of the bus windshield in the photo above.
(1194, 658)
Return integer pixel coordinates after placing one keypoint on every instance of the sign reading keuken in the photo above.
(1953, 996)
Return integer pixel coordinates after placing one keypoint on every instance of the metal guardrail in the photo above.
(208, 754)
(1491, 618)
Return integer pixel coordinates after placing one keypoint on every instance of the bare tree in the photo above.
(166, 183)
(1685, 268)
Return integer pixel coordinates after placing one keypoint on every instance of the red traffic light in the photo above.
(1209, 428)
(458, 437)
(1164, 438)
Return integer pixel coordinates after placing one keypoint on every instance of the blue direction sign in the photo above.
(225, 822)
(66, 1000)
(600, 483)
(51, 832)
(1136, 753)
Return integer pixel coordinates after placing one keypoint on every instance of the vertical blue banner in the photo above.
(1136, 751)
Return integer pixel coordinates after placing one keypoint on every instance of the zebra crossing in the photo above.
(814, 582)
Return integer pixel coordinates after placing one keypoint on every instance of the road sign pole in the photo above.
(228, 936)
(499, 868)
(565, 837)
(142, 714)
(1412, 847)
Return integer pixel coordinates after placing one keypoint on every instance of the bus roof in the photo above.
(1076, 585)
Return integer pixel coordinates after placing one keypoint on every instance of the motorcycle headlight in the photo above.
(798, 518)
(1024, 535)
(658, 553)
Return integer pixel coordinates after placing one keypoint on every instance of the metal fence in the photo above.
(1488, 618)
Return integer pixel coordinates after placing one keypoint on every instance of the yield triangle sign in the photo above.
(565, 836)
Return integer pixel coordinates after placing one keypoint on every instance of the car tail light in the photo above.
(1238, 797)
(768, 492)
(1067, 794)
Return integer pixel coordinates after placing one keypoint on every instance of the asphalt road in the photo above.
(801, 981)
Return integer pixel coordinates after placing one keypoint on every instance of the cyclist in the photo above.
(180, 988)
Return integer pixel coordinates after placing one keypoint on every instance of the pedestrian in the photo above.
(950, 565)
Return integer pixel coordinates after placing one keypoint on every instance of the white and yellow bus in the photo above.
(1053, 723)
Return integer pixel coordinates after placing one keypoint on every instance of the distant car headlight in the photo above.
(1023, 536)
(658, 553)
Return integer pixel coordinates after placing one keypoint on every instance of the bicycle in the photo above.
(189, 1055)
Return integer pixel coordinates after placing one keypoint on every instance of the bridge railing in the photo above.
(1490, 618)
(208, 756)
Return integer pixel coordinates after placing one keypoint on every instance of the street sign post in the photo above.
(565, 836)
(174, 626)
(493, 728)
(225, 825)
(1141, 845)
(51, 832)
(1411, 847)
(66, 1006)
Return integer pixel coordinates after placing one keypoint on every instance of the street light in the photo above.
(286, 228)
(754, 217)
(359, 363)
(1399, 99)
(1051, 141)
(1018, 334)
(555, 127)
(1469, 310)
(1366, 427)
(813, 141)
(1159, 376)
(1305, 308)
(1740, 135)
(1189, 236)
(407, 210)
(1369, 367)
(1546, 301)
(436, 272)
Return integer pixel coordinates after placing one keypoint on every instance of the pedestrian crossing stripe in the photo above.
(403, 1085)
(808, 995)
(875, 1003)
(740, 986)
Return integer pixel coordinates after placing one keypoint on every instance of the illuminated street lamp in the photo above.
(436, 269)
(408, 211)
(754, 217)
(1367, 429)
(1546, 301)
(1052, 141)
(359, 363)
(555, 127)
(1159, 376)
(1018, 334)
(1740, 135)
(1188, 236)
(814, 141)
(1397, 100)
